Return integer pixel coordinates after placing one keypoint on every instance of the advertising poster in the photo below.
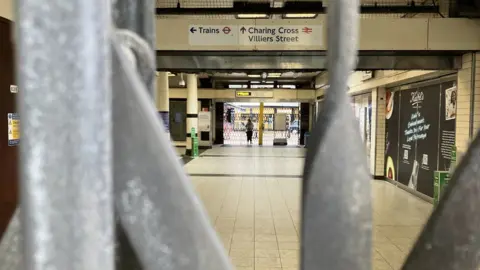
(392, 114)
(407, 165)
(425, 126)
(426, 130)
(447, 125)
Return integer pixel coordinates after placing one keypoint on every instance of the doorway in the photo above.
(236, 115)
(178, 120)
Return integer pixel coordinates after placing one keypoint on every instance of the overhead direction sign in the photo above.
(210, 35)
(298, 35)
(238, 35)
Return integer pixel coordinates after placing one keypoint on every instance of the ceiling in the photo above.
(279, 3)
(221, 80)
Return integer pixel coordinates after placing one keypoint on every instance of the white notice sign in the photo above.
(298, 35)
(211, 35)
(204, 121)
(245, 35)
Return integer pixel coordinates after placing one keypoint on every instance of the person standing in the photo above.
(249, 127)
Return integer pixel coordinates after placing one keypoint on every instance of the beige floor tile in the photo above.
(267, 262)
(381, 264)
(266, 253)
(289, 245)
(289, 254)
(266, 245)
(287, 238)
(267, 211)
(243, 236)
(290, 262)
(286, 231)
(243, 262)
(242, 253)
(265, 230)
(242, 245)
(265, 237)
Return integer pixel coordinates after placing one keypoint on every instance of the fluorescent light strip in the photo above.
(254, 75)
(300, 15)
(274, 75)
(252, 16)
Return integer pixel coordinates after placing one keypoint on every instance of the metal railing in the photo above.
(85, 95)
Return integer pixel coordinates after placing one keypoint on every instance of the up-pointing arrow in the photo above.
(243, 29)
(193, 30)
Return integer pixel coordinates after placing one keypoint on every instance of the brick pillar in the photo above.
(464, 108)
(377, 151)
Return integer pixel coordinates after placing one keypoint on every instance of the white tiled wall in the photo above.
(360, 104)
(464, 79)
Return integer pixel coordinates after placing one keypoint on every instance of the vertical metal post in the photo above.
(64, 60)
(139, 17)
(260, 125)
(473, 71)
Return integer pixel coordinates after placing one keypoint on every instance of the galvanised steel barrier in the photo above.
(86, 73)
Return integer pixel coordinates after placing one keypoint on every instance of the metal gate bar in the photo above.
(66, 162)
(11, 255)
(336, 209)
(451, 237)
(160, 212)
(63, 67)
(137, 16)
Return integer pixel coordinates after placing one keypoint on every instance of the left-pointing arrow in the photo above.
(193, 30)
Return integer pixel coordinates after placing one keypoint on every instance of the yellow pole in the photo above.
(260, 125)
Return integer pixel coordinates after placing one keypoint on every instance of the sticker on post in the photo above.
(13, 129)
(13, 89)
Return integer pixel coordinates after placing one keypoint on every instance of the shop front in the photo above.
(420, 133)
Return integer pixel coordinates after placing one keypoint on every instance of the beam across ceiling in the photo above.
(367, 9)
(296, 62)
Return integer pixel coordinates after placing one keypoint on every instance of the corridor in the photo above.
(252, 195)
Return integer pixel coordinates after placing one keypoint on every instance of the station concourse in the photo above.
(227, 70)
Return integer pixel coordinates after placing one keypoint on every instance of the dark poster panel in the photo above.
(304, 120)
(392, 114)
(425, 128)
(407, 167)
(219, 117)
(447, 124)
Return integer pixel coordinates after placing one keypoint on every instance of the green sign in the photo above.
(440, 183)
(453, 161)
(194, 143)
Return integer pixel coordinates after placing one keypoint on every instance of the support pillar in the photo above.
(468, 102)
(377, 150)
(162, 99)
(192, 109)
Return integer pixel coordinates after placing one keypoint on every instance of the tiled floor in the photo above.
(253, 197)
